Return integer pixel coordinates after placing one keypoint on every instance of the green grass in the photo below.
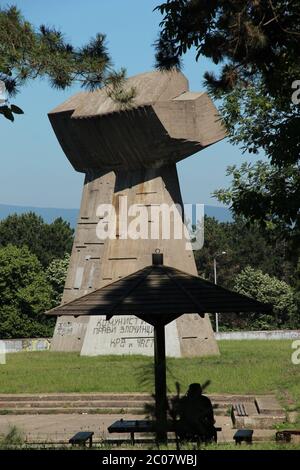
(254, 447)
(243, 367)
(232, 446)
(153, 447)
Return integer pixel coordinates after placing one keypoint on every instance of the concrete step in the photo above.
(109, 403)
(86, 410)
(71, 404)
(75, 397)
(18, 410)
(79, 407)
(268, 405)
(218, 398)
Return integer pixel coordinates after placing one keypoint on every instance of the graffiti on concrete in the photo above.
(27, 344)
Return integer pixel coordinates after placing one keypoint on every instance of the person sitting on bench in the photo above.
(196, 416)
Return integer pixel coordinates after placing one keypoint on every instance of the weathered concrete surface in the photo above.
(165, 124)
(126, 334)
(268, 405)
(131, 153)
(69, 334)
(84, 271)
(263, 412)
(26, 344)
(114, 402)
(293, 416)
(184, 337)
(60, 427)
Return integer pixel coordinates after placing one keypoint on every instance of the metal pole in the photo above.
(215, 276)
(160, 383)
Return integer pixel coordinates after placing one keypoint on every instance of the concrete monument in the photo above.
(129, 158)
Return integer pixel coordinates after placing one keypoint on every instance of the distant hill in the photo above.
(222, 214)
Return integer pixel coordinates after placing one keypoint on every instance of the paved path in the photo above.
(60, 427)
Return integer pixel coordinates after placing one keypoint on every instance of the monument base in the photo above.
(69, 334)
(189, 336)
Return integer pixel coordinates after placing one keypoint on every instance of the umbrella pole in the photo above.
(160, 382)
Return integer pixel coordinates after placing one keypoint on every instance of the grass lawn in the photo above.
(243, 367)
(170, 447)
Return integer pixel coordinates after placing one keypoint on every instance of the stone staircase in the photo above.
(66, 403)
(87, 403)
(261, 412)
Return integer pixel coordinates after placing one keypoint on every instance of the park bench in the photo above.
(140, 426)
(243, 435)
(81, 438)
(286, 434)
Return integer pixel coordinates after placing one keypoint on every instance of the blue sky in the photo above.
(34, 170)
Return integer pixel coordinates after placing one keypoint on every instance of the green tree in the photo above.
(27, 53)
(56, 275)
(245, 244)
(25, 295)
(256, 44)
(263, 192)
(46, 241)
(216, 240)
(268, 289)
(58, 240)
(253, 39)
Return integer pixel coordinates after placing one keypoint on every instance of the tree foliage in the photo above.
(244, 245)
(253, 38)
(256, 43)
(267, 289)
(27, 53)
(270, 195)
(247, 246)
(56, 274)
(46, 241)
(25, 295)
